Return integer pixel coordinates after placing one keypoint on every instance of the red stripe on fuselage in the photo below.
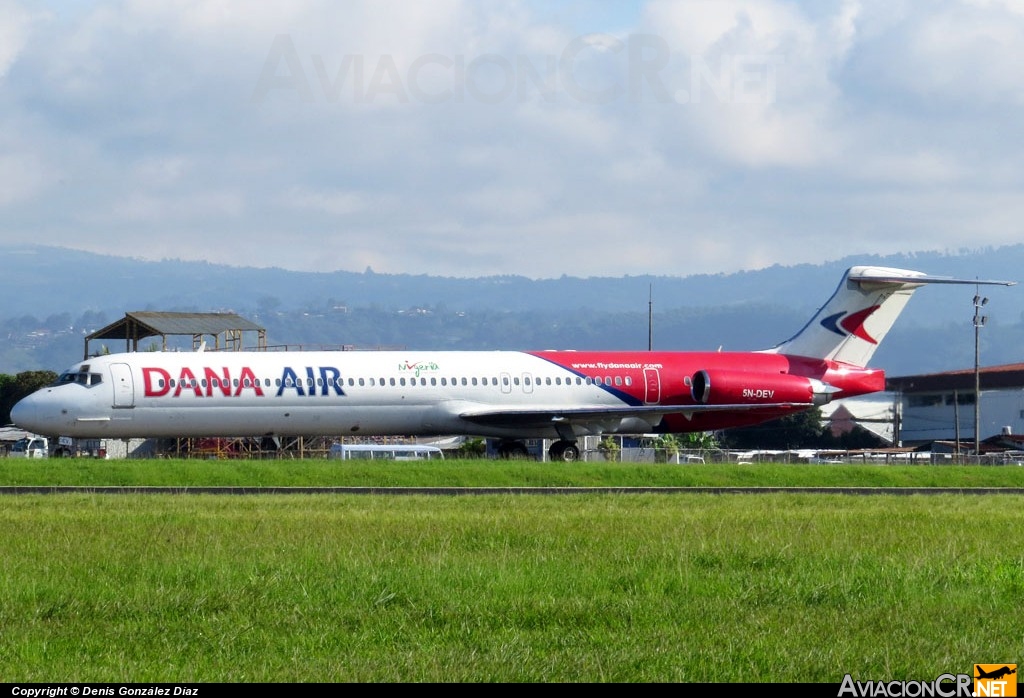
(675, 368)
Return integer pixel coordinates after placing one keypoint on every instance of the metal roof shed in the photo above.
(227, 329)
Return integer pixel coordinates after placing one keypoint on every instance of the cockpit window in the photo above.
(80, 377)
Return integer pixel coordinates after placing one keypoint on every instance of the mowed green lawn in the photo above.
(603, 587)
(489, 473)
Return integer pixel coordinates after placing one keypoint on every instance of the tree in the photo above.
(697, 440)
(666, 448)
(609, 448)
(471, 448)
(14, 388)
(800, 430)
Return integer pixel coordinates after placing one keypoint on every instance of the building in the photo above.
(940, 406)
(874, 412)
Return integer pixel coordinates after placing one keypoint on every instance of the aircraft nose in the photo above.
(24, 414)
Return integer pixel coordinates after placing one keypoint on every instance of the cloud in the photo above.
(335, 203)
(15, 28)
(512, 136)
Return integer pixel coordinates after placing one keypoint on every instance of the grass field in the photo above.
(489, 473)
(631, 588)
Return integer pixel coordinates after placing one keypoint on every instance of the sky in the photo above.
(527, 137)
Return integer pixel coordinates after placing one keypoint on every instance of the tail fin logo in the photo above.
(844, 324)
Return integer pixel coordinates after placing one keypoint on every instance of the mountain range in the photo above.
(54, 296)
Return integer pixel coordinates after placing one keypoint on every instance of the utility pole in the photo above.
(956, 422)
(979, 322)
(650, 317)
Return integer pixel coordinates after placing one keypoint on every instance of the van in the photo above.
(385, 452)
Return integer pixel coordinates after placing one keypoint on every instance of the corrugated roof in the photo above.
(990, 377)
(12, 433)
(141, 324)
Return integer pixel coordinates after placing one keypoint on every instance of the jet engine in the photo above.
(747, 387)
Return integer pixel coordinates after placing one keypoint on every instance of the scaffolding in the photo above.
(248, 448)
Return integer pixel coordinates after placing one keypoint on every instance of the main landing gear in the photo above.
(512, 450)
(566, 451)
(563, 451)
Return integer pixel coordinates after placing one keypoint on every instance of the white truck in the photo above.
(39, 447)
(31, 447)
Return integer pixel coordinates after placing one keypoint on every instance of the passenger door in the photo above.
(124, 386)
(652, 381)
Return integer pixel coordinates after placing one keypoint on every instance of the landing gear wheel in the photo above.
(565, 451)
(512, 450)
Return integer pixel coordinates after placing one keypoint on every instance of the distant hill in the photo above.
(54, 295)
(42, 281)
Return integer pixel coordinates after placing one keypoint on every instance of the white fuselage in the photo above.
(152, 394)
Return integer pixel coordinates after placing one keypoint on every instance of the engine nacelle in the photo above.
(751, 388)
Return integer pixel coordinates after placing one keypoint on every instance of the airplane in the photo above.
(995, 673)
(508, 395)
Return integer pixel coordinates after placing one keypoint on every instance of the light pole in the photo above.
(979, 322)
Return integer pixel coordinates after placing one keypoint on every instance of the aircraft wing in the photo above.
(602, 415)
